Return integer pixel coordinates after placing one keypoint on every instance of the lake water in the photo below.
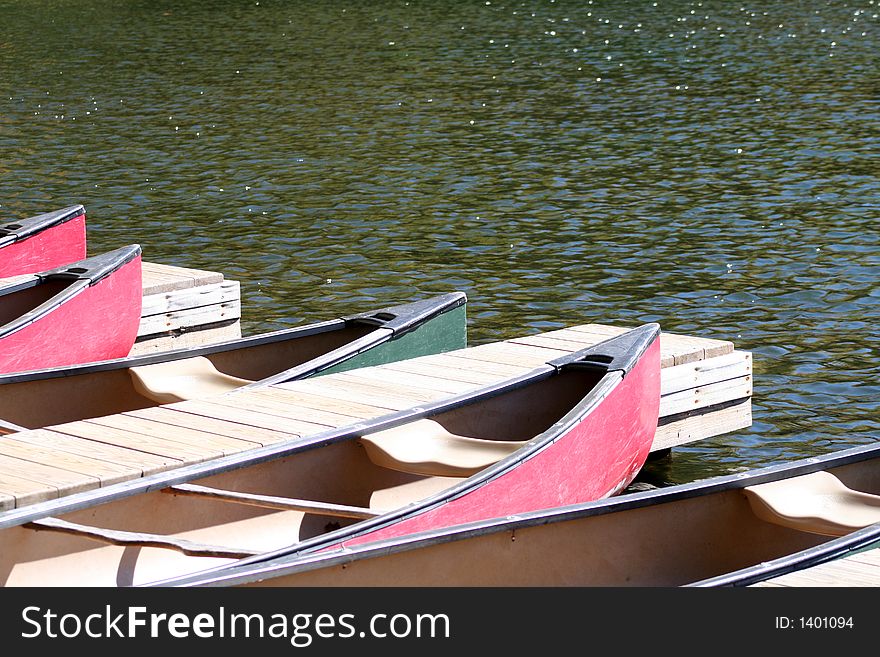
(713, 166)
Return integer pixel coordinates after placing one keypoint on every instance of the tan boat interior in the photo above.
(216, 519)
(818, 502)
(426, 447)
(670, 544)
(178, 380)
(44, 402)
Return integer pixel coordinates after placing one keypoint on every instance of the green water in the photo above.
(712, 166)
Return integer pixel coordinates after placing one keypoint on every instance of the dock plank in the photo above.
(62, 480)
(430, 384)
(145, 462)
(217, 409)
(206, 443)
(309, 419)
(105, 471)
(141, 442)
(158, 278)
(16, 491)
(174, 417)
(858, 570)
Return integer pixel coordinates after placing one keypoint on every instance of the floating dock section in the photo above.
(706, 390)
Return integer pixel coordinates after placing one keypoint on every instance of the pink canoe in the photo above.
(86, 311)
(575, 429)
(42, 242)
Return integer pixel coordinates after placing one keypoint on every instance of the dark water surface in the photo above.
(713, 166)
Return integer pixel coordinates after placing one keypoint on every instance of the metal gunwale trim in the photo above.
(18, 231)
(186, 352)
(384, 332)
(95, 268)
(410, 316)
(108, 263)
(174, 354)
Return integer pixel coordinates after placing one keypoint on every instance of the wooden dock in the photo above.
(185, 307)
(859, 569)
(706, 390)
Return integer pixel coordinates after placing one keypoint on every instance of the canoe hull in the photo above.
(100, 322)
(54, 246)
(702, 534)
(597, 457)
(445, 332)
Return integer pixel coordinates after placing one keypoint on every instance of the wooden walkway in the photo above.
(860, 569)
(706, 390)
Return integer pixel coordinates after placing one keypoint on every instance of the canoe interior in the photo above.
(17, 301)
(672, 544)
(339, 473)
(104, 391)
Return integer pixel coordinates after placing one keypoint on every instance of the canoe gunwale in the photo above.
(444, 303)
(390, 323)
(257, 568)
(94, 269)
(81, 275)
(18, 231)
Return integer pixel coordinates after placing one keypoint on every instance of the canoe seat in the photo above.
(179, 380)
(818, 503)
(425, 447)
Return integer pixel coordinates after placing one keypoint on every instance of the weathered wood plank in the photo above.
(858, 570)
(189, 317)
(135, 459)
(191, 337)
(17, 491)
(287, 404)
(158, 446)
(105, 471)
(706, 395)
(210, 444)
(356, 393)
(160, 278)
(176, 418)
(247, 416)
(64, 481)
(312, 396)
(456, 364)
(429, 384)
(513, 353)
(676, 378)
(196, 297)
(701, 424)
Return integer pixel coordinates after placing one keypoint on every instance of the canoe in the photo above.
(577, 428)
(734, 530)
(43, 242)
(130, 383)
(84, 311)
